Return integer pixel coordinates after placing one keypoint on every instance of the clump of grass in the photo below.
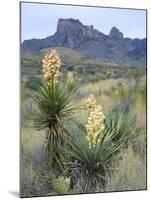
(142, 92)
(100, 86)
(128, 172)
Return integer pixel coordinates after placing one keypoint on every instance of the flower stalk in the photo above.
(51, 65)
(95, 121)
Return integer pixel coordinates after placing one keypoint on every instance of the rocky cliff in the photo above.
(87, 40)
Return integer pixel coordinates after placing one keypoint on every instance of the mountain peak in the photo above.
(115, 33)
(71, 32)
(67, 23)
(69, 20)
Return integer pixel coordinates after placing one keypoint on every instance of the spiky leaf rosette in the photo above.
(90, 165)
(124, 123)
(53, 108)
(53, 105)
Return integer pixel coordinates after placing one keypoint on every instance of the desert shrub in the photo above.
(109, 73)
(61, 185)
(134, 74)
(94, 79)
(92, 148)
(120, 92)
(79, 69)
(71, 68)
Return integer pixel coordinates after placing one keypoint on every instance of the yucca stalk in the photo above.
(53, 108)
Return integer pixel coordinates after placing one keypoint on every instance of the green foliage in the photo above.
(95, 79)
(72, 86)
(66, 150)
(54, 105)
(119, 92)
(109, 73)
(29, 83)
(53, 108)
(79, 69)
(90, 165)
(142, 91)
(134, 74)
(70, 68)
(61, 185)
(122, 122)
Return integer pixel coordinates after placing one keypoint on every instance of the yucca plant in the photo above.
(53, 107)
(92, 147)
(122, 121)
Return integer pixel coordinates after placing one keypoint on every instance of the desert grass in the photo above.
(128, 171)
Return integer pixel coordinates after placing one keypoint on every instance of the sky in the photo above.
(40, 20)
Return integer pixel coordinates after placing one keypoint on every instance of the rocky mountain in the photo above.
(91, 43)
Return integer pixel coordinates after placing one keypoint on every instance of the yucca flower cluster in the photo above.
(95, 123)
(51, 65)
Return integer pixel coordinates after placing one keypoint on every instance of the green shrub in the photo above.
(61, 185)
(134, 74)
(90, 165)
(53, 108)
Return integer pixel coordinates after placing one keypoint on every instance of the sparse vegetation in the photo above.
(57, 157)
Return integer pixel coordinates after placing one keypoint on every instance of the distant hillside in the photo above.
(89, 43)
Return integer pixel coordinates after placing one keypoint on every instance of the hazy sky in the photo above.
(40, 20)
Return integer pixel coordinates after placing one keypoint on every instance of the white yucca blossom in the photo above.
(95, 122)
(91, 102)
(51, 65)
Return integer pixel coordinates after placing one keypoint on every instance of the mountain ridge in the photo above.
(87, 40)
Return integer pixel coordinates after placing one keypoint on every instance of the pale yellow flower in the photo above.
(95, 121)
(51, 65)
(91, 102)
